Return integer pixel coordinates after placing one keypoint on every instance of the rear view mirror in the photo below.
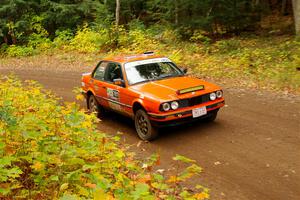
(119, 82)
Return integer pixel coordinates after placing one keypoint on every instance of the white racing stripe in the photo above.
(164, 86)
(147, 61)
(86, 74)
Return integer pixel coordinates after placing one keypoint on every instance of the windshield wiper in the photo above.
(159, 78)
(145, 81)
(165, 76)
(168, 75)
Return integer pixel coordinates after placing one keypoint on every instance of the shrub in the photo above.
(51, 151)
(62, 38)
(199, 37)
(88, 41)
(225, 46)
(3, 48)
(18, 51)
(39, 42)
(170, 36)
(38, 39)
(137, 40)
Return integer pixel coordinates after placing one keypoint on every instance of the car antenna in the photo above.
(148, 53)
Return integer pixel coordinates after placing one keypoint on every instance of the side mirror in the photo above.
(119, 82)
(184, 70)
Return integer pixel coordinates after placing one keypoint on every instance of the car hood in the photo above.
(167, 89)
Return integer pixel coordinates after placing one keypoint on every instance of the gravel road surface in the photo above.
(252, 150)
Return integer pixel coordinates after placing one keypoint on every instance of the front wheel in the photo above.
(143, 126)
(212, 116)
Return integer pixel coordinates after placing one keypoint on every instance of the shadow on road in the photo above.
(195, 129)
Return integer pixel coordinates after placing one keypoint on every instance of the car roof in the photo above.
(131, 58)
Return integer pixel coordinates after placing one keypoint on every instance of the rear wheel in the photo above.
(94, 106)
(143, 126)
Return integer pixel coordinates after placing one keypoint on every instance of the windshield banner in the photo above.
(148, 61)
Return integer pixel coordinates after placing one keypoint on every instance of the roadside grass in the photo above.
(265, 63)
(268, 63)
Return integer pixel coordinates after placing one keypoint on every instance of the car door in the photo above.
(115, 93)
(98, 83)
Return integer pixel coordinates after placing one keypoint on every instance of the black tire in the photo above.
(143, 126)
(94, 107)
(212, 116)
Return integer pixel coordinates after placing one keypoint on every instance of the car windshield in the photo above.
(150, 70)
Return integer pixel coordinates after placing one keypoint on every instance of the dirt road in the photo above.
(252, 150)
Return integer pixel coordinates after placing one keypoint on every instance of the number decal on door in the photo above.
(113, 94)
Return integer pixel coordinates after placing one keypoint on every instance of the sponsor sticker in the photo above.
(115, 97)
(113, 94)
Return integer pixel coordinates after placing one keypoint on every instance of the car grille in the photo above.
(193, 101)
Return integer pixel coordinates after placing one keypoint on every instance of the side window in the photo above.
(99, 72)
(113, 71)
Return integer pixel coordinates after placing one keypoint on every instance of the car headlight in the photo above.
(166, 106)
(213, 96)
(174, 105)
(219, 94)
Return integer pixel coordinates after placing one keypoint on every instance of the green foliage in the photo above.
(226, 46)
(18, 18)
(258, 62)
(62, 38)
(136, 40)
(14, 18)
(52, 151)
(18, 51)
(39, 37)
(88, 41)
(268, 62)
(3, 48)
(199, 37)
(213, 17)
(39, 42)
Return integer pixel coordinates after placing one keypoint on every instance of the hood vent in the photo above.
(192, 89)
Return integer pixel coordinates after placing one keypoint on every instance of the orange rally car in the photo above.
(150, 89)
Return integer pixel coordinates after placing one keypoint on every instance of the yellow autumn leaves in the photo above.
(54, 151)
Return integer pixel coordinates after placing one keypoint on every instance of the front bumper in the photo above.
(183, 115)
(180, 121)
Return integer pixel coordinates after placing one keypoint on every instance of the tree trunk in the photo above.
(11, 32)
(296, 10)
(117, 12)
(5, 39)
(283, 7)
(176, 12)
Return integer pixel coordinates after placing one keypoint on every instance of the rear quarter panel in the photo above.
(86, 82)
